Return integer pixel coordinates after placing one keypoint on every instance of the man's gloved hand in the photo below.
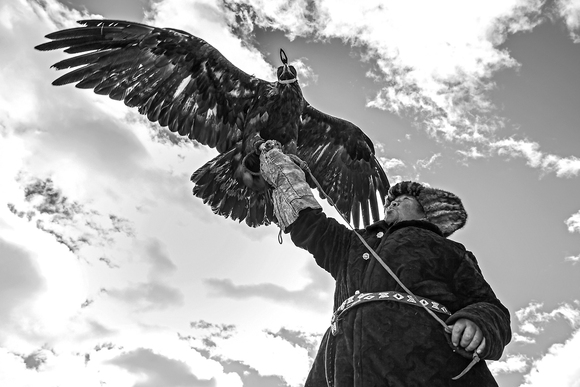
(292, 193)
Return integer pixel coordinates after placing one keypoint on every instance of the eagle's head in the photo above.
(286, 73)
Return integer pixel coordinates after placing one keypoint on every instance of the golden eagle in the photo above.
(184, 83)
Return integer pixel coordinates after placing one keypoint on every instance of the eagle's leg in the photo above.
(298, 161)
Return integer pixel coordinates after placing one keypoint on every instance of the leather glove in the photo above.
(292, 193)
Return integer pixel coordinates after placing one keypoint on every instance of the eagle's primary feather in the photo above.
(184, 83)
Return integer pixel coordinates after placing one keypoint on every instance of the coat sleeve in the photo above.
(326, 239)
(479, 304)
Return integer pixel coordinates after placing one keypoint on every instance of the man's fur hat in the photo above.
(442, 208)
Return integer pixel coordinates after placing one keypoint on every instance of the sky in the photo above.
(112, 273)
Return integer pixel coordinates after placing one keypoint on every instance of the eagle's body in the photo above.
(182, 82)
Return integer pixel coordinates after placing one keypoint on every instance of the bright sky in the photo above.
(112, 272)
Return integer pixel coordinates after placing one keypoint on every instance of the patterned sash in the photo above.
(361, 298)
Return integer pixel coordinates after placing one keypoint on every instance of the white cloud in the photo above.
(45, 288)
(257, 349)
(306, 74)
(472, 153)
(573, 222)
(209, 20)
(569, 10)
(314, 295)
(515, 363)
(529, 328)
(559, 367)
(517, 338)
(563, 167)
(449, 86)
(427, 163)
(297, 17)
(532, 319)
(390, 164)
(141, 357)
(573, 259)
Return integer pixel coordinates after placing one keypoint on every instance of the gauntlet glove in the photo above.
(292, 193)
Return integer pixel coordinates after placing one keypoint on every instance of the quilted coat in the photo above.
(392, 344)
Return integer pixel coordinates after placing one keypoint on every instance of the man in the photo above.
(380, 335)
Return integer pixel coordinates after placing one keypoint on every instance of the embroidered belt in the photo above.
(361, 298)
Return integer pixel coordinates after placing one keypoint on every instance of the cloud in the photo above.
(562, 166)
(210, 20)
(306, 73)
(214, 330)
(158, 370)
(68, 221)
(427, 163)
(20, 280)
(532, 320)
(147, 296)
(285, 354)
(472, 153)
(301, 339)
(314, 295)
(160, 261)
(573, 259)
(515, 363)
(153, 293)
(517, 338)
(390, 164)
(41, 288)
(448, 91)
(296, 17)
(138, 357)
(558, 367)
(250, 376)
(573, 222)
(569, 10)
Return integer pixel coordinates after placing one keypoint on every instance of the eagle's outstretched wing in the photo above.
(342, 159)
(172, 77)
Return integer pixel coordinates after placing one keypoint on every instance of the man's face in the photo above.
(404, 207)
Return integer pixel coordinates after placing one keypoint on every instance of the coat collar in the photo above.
(381, 225)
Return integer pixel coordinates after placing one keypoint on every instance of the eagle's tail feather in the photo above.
(216, 184)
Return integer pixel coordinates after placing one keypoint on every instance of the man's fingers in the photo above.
(468, 335)
(481, 347)
(457, 332)
(475, 341)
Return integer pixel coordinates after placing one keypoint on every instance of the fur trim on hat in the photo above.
(442, 208)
